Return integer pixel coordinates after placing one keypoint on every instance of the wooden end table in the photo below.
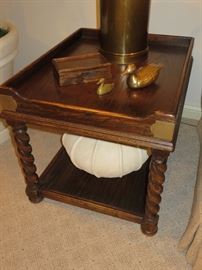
(147, 118)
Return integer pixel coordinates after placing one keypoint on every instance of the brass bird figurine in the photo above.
(104, 88)
(143, 76)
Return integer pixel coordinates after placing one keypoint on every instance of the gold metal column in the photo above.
(124, 25)
(124, 39)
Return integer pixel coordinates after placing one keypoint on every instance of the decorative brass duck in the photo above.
(143, 76)
(104, 88)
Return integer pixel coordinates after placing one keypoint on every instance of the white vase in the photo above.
(8, 51)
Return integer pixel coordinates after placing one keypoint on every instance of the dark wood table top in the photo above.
(150, 114)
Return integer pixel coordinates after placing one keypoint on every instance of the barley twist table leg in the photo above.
(154, 189)
(24, 149)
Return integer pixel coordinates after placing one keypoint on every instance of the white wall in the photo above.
(182, 17)
(43, 23)
(4, 10)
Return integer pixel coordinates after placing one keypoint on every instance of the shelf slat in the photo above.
(121, 197)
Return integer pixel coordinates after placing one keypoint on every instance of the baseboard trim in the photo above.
(190, 112)
(4, 135)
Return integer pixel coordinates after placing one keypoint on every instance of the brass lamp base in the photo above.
(129, 58)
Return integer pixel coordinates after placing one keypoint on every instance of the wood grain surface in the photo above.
(123, 113)
(148, 118)
(64, 182)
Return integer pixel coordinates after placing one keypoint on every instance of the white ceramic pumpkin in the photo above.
(101, 158)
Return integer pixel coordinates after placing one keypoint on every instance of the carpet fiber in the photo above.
(53, 235)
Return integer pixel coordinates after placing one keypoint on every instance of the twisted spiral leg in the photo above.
(154, 189)
(27, 161)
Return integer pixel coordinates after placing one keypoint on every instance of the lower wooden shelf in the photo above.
(121, 197)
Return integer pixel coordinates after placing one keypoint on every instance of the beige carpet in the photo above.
(53, 235)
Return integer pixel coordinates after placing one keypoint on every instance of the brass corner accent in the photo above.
(163, 130)
(7, 103)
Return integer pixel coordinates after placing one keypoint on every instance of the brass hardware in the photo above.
(104, 88)
(163, 130)
(8, 103)
(130, 69)
(142, 77)
(125, 58)
(124, 25)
